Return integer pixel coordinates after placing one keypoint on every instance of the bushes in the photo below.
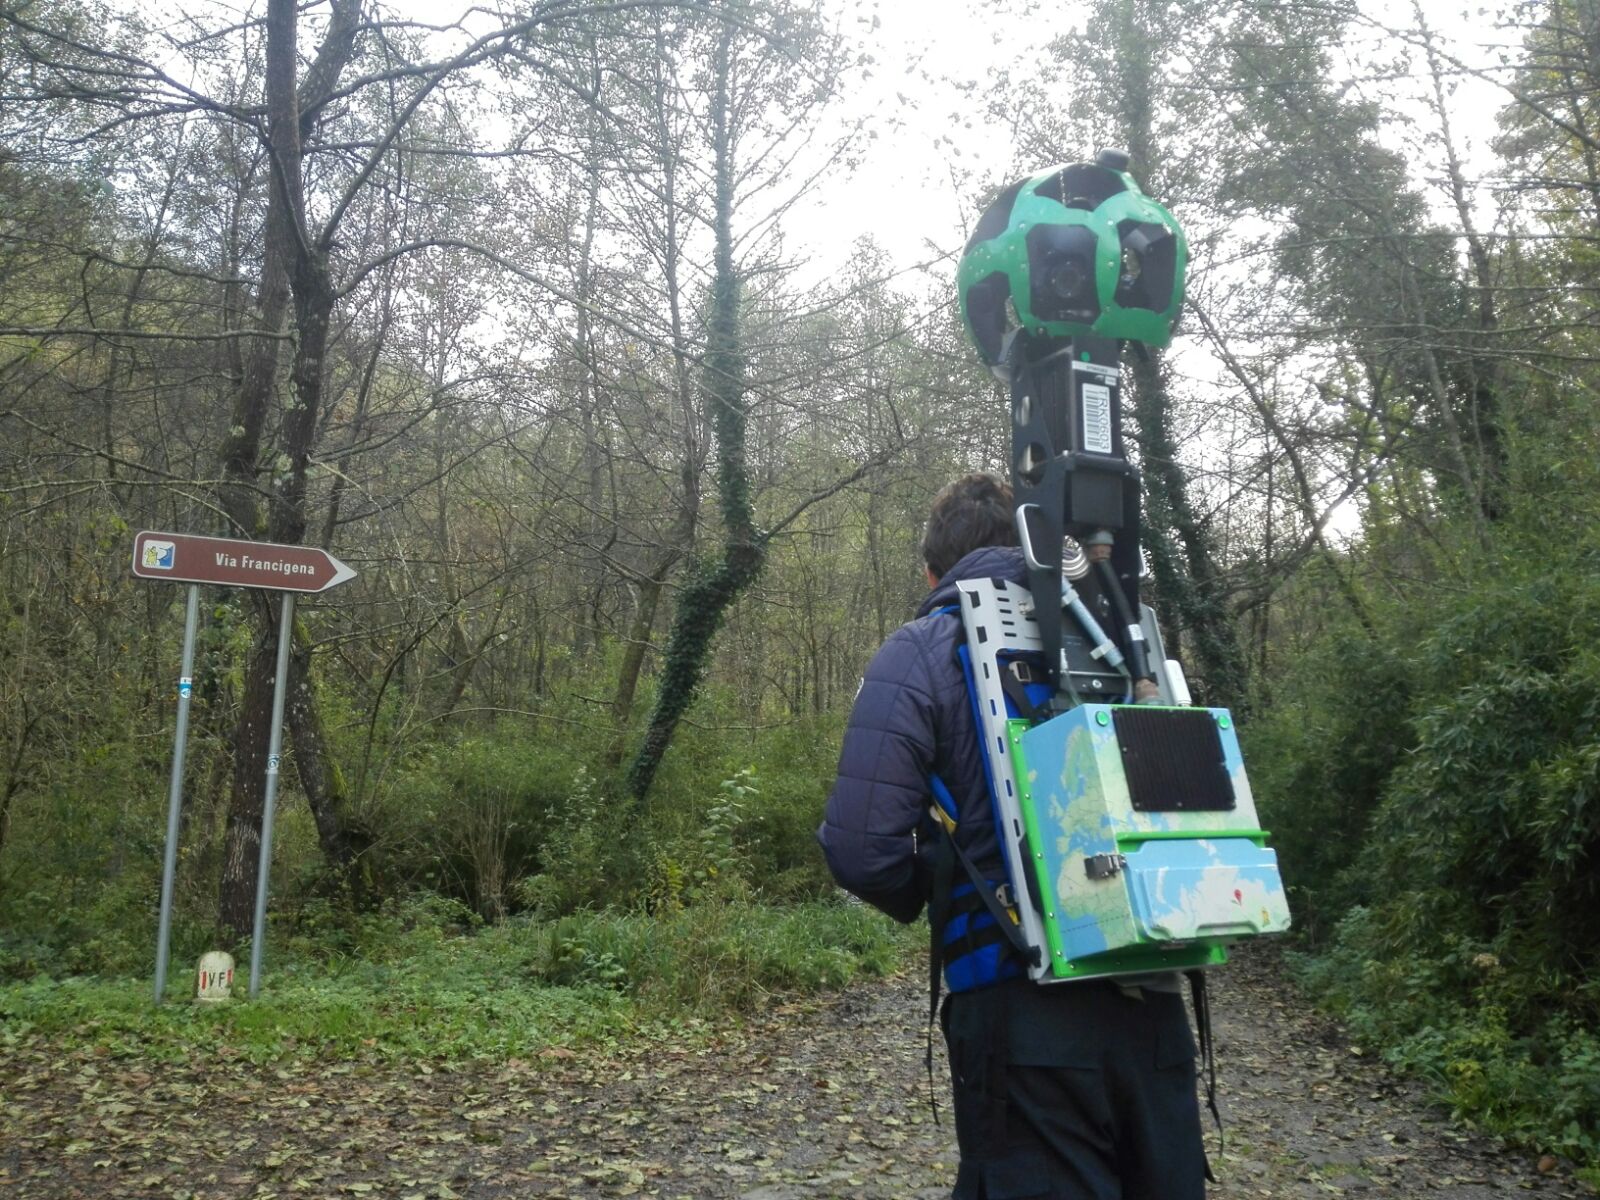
(507, 820)
(795, 768)
(469, 818)
(405, 984)
(1457, 1016)
(719, 957)
(528, 904)
(1435, 793)
(1320, 758)
(427, 980)
(81, 871)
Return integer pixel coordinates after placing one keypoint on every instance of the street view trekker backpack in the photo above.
(1125, 818)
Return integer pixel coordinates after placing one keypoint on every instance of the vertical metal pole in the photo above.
(274, 747)
(175, 792)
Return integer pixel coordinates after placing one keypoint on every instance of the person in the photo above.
(1070, 1091)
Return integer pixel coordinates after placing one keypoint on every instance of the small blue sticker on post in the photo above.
(185, 687)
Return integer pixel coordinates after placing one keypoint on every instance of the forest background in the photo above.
(511, 313)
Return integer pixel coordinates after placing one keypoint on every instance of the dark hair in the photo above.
(970, 513)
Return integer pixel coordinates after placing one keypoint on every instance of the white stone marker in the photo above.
(215, 977)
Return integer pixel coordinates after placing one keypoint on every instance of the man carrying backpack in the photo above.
(1070, 1091)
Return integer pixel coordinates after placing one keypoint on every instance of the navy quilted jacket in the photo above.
(912, 718)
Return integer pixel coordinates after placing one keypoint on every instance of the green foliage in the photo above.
(1446, 1015)
(1319, 758)
(718, 957)
(702, 606)
(578, 854)
(1434, 795)
(500, 822)
(426, 981)
(78, 880)
(471, 817)
(796, 766)
(406, 985)
(720, 870)
(709, 865)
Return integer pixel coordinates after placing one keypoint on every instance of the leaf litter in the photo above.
(814, 1099)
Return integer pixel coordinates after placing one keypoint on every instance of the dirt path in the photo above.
(827, 1099)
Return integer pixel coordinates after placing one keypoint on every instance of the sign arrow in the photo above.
(236, 562)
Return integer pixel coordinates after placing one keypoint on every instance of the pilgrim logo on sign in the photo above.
(159, 556)
(215, 977)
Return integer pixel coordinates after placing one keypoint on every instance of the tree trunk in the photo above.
(343, 842)
(647, 593)
(14, 770)
(1485, 382)
(241, 840)
(313, 310)
(599, 540)
(1192, 589)
(305, 264)
(704, 601)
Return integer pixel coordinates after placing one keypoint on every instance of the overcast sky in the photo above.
(916, 192)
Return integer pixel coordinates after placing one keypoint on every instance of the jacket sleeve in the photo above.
(881, 794)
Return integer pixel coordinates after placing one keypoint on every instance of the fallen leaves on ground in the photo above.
(816, 1099)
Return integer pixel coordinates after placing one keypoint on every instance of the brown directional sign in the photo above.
(236, 562)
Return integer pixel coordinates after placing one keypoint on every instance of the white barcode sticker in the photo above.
(1097, 418)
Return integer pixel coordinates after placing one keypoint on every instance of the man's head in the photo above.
(972, 512)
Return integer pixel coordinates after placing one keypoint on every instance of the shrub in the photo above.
(1434, 792)
(580, 861)
(470, 818)
(425, 979)
(717, 957)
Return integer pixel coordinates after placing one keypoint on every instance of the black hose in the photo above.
(1138, 659)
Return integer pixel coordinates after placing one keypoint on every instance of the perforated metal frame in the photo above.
(997, 617)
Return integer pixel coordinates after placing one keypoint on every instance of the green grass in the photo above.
(412, 985)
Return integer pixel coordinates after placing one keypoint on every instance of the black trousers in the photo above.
(1074, 1091)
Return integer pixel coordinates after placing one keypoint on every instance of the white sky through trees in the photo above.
(929, 148)
(931, 136)
(920, 181)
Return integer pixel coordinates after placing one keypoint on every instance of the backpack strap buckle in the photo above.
(1014, 678)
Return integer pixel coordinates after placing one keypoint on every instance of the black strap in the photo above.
(1013, 931)
(975, 937)
(944, 879)
(1208, 1057)
(946, 854)
(1013, 686)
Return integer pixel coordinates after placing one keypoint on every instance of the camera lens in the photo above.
(1132, 266)
(1061, 279)
(1067, 278)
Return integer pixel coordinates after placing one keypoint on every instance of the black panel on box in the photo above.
(1173, 760)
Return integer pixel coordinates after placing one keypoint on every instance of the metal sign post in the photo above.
(258, 935)
(175, 792)
(230, 562)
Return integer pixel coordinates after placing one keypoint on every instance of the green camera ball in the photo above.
(1073, 251)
